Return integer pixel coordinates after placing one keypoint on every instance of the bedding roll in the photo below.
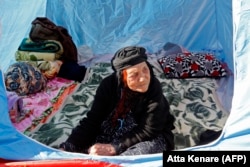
(24, 78)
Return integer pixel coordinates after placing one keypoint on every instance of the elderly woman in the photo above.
(129, 115)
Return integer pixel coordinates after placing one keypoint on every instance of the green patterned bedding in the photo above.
(193, 102)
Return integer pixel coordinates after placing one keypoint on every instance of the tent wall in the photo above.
(236, 132)
(15, 23)
(106, 25)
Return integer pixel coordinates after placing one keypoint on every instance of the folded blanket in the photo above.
(36, 56)
(48, 46)
(48, 50)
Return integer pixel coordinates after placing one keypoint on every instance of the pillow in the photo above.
(24, 78)
(190, 65)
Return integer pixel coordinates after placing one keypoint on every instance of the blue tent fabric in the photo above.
(106, 25)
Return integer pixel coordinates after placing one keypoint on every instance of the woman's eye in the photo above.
(132, 76)
(145, 69)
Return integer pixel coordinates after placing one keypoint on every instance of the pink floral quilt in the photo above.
(31, 110)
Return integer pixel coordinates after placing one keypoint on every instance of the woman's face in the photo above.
(138, 77)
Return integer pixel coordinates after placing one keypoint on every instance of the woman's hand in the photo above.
(102, 149)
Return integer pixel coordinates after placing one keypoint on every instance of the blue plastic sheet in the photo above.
(106, 25)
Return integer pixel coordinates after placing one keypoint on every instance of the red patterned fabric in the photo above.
(189, 65)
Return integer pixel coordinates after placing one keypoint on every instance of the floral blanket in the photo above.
(193, 102)
(30, 111)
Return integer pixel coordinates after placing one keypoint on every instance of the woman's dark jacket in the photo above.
(151, 114)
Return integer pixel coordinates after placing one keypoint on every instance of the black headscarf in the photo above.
(127, 57)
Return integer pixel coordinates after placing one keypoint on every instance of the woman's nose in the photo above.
(142, 77)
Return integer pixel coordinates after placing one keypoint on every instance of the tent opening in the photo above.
(199, 89)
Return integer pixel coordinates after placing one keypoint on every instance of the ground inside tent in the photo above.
(211, 114)
(196, 103)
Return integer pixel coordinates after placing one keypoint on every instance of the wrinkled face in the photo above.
(138, 77)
